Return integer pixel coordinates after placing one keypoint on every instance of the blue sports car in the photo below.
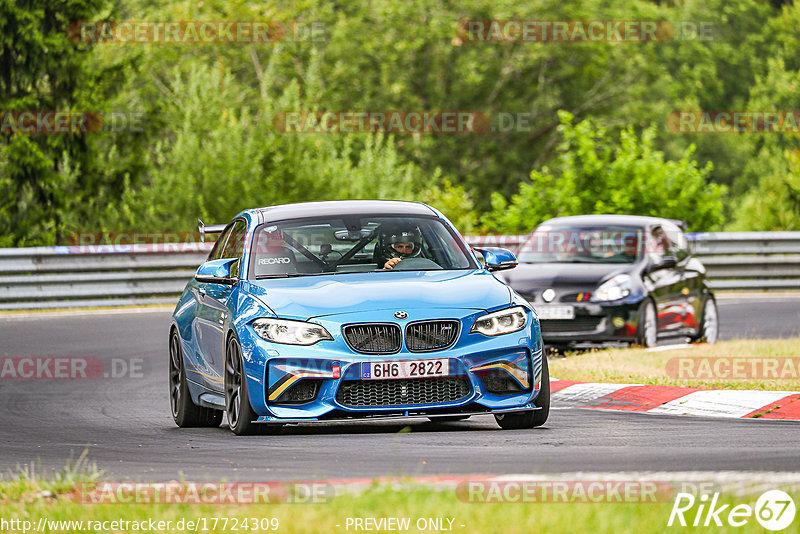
(348, 310)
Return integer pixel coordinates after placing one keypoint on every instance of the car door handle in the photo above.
(201, 291)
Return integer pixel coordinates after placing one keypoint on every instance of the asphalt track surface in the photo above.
(126, 426)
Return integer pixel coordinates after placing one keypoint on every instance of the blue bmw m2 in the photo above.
(348, 310)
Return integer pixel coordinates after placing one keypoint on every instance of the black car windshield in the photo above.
(327, 245)
(583, 244)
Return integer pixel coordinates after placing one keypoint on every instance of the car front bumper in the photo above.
(330, 372)
(594, 322)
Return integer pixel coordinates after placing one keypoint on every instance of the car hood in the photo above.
(529, 276)
(316, 296)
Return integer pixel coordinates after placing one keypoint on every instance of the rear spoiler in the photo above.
(679, 223)
(209, 229)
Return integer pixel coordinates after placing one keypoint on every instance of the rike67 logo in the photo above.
(774, 510)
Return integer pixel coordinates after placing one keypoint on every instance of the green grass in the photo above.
(629, 366)
(29, 497)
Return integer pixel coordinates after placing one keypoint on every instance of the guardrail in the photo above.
(69, 276)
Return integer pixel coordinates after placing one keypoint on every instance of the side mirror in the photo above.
(216, 272)
(497, 259)
(667, 262)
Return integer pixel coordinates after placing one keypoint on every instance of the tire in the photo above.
(533, 418)
(647, 327)
(709, 324)
(238, 410)
(448, 419)
(185, 412)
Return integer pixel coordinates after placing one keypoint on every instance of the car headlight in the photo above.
(615, 288)
(501, 322)
(290, 332)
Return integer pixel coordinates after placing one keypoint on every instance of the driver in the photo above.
(628, 250)
(398, 244)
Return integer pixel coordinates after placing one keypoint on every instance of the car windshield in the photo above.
(582, 244)
(311, 247)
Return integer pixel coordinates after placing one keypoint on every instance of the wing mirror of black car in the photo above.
(667, 262)
(497, 259)
(216, 272)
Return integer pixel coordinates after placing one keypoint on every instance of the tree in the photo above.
(593, 174)
(775, 204)
(48, 182)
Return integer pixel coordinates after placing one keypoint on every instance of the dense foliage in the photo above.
(576, 127)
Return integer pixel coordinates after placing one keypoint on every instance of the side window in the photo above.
(667, 240)
(216, 252)
(234, 247)
(678, 246)
(658, 244)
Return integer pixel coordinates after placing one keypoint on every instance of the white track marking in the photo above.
(720, 403)
(662, 348)
(585, 394)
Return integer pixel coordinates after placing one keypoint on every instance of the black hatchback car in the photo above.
(614, 278)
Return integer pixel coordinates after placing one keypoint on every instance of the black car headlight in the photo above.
(290, 332)
(501, 322)
(613, 289)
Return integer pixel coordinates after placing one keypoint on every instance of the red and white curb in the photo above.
(671, 400)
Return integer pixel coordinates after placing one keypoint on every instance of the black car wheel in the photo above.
(709, 325)
(647, 329)
(240, 414)
(534, 418)
(184, 411)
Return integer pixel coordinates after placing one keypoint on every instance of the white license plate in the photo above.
(405, 369)
(555, 312)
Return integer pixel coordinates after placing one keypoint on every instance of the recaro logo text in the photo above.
(272, 261)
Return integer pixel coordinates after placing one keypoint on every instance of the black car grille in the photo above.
(359, 393)
(581, 323)
(431, 335)
(373, 338)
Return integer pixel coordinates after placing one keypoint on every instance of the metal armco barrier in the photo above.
(69, 276)
(103, 275)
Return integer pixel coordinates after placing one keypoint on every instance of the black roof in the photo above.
(333, 208)
(623, 220)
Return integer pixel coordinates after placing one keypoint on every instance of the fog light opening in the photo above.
(499, 382)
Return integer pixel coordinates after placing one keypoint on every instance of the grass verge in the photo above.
(638, 366)
(49, 506)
